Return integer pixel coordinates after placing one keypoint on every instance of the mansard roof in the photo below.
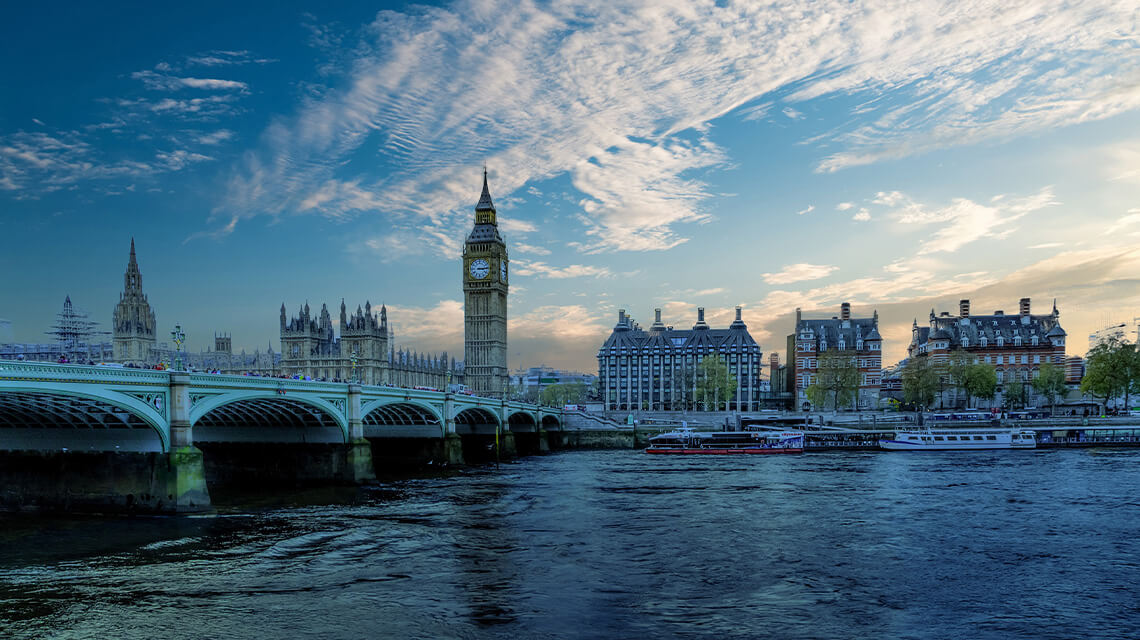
(991, 327)
(627, 334)
(832, 329)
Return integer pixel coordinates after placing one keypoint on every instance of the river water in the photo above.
(616, 544)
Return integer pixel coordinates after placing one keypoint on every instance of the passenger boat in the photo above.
(960, 439)
(686, 441)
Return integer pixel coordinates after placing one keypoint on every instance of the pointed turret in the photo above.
(485, 203)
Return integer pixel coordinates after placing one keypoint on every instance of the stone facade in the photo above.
(855, 337)
(310, 347)
(133, 326)
(485, 302)
(655, 370)
(1015, 345)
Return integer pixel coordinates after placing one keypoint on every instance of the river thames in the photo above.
(616, 544)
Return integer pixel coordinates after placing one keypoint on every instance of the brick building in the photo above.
(855, 337)
(1015, 345)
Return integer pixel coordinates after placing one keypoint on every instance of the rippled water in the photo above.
(617, 544)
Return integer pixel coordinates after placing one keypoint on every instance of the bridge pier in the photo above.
(186, 480)
(358, 457)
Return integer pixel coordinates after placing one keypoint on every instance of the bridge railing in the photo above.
(15, 368)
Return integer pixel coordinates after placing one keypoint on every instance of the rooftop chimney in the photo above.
(964, 308)
(700, 319)
(845, 311)
(657, 325)
(621, 316)
(738, 315)
(1024, 306)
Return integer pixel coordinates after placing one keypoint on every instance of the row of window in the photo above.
(862, 363)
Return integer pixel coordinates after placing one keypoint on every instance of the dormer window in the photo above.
(982, 341)
(1017, 341)
(965, 342)
(1000, 341)
(859, 345)
(1033, 340)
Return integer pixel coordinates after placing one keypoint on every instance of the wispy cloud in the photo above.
(798, 273)
(541, 269)
(844, 206)
(215, 137)
(223, 58)
(618, 96)
(862, 215)
(164, 82)
(964, 221)
(522, 247)
(809, 209)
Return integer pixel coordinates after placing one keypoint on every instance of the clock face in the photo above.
(502, 272)
(479, 269)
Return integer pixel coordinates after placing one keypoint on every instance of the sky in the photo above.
(641, 154)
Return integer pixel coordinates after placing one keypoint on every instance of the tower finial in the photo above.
(485, 203)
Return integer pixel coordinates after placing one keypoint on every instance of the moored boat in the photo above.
(960, 439)
(686, 441)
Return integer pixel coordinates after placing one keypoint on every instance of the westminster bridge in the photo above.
(76, 436)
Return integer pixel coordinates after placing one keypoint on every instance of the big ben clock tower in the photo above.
(485, 302)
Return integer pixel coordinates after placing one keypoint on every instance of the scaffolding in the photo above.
(73, 330)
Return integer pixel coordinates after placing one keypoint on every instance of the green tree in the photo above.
(981, 381)
(1113, 370)
(716, 385)
(816, 395)
(558, 395)
(838, 374)
(956, 366)
(1015, 394)
(919, 381)
(1050, 382)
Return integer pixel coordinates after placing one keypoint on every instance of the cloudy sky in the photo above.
(675, 154)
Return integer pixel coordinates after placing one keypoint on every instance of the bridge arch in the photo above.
(386, 412)
(476, 420)
(521, 421)
(36, 418)
(268, 417)
(551, 423)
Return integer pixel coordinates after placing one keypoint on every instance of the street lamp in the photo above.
(353, 358)
(178, 337)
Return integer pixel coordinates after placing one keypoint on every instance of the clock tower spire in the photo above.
(485, 302)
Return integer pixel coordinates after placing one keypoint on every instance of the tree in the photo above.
(956, 367)
(816, 395)
(1015, 394)
(838, 374)
(1113, 370)
(981, 381)
(919, 381)
(1050, 382)
(559, 395)
(715, 383)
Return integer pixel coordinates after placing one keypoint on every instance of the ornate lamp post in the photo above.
(353, 358)
(178, 337)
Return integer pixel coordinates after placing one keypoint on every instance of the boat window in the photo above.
(977, 437)
(991, 437)
(938, 438)
(926, 438)
(951, 437)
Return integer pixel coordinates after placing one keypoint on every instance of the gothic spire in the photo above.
(485, 203)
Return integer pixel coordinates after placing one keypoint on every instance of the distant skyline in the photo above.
(899, 156)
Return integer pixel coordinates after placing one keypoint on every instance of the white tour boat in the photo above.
(960, 439)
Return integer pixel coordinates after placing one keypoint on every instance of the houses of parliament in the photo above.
(359, 346)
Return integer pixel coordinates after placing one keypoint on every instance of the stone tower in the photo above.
(133, 325)
(485, 302)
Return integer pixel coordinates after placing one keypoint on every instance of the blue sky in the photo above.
(898, 155)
